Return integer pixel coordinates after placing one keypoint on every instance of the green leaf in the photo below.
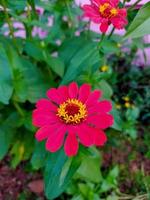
(58, 172)
(39, 155)
(117, 120)
(39, 53)
(70, 47)
(132, 113)
(90, 170)
(140, 25)
(7, 133)
(17, 4)
(106, 88)
(56, 65)
(6, 86)
(17, 152)
(22, 149)
(35, 50)
(111, 180)
(80, 61)
(29, 83)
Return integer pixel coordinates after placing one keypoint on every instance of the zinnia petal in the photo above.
(99, 137)
(45, 131)
(53, 95)
(97, 2)
(102, 121)
(55, 140)
(63, 91)
(104, 27)
(45, 104)
(93, 97)
(71, 144)
(84, 92)
(85, 135)
(101, 107)
(73, 90)
(40, 119)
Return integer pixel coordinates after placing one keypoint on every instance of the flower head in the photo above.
(72, 114)
(106, 12)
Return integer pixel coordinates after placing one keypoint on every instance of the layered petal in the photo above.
(122, 12)
(71, 144)
(91, 10)
(104, 27)
(99, 137)
(85, 135)
(119, 22)
(45, 104)
(84, 92)
(55, 140)
(63, 92)
(73, 90)
(54, 96)
(93, 97)
(44, 132)
(97, 2)
(100, 107)
(40, 119)
(101, 121)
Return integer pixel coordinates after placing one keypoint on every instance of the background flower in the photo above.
(106, 13)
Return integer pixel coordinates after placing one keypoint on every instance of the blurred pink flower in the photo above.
(95, 27)
(38, 31)
(39, 10)
(105, 13)
(19, 30)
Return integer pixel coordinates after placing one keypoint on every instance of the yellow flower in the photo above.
(118, 106)
(104, 68)
(127, 104)
(126, 98)
(119, 45)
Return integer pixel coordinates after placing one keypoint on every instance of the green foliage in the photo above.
(140, 25)
(58, 172)
(6, 87)
(31, 65)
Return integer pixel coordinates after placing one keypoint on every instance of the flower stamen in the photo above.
(72, 111)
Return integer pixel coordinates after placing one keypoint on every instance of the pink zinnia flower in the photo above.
(106, 12)
(75, 113)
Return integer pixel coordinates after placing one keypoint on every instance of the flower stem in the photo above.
(124, 1)
(112, 31)
(134, 5)
(32, 4)
(9, 22)
(18, 108)
(101, 40)
(69, 13)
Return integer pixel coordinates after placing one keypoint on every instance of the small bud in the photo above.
(118, 106)
(104, 68)
(127, 105)
(126, 98)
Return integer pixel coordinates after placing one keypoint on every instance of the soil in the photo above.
(17, 184)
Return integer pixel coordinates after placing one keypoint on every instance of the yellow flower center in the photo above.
(107, 11)
(114, 11)
(103, 8)
(72, 111)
